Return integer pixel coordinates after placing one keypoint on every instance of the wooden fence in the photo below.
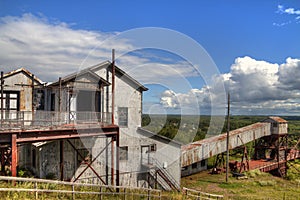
(35, 188)
(195, 194)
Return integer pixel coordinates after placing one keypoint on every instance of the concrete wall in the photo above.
(127, 95)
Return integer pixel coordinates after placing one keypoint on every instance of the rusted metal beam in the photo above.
(118, 158)
(2, 150)
(2, 88)
(32, 96)
(61, 155)
(59, 96)
(14, 152)
(89, 165)
(57, 136)
(227, 137)
(113, 89)
(112, 162)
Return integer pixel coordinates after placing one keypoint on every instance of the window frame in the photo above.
(123, 150)
(123, 116)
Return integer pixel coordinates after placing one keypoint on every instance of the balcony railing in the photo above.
(26, 119)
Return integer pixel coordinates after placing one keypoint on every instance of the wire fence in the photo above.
(196, 194)
(31, 188)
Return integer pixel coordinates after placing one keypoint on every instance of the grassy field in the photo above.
(258, 186)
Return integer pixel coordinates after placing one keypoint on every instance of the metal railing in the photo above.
(23, 119)
(37, 188)
(165, 179)
(196, 194)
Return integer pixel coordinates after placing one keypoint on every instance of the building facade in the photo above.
(84, 98)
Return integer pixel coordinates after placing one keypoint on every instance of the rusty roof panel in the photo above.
(222, 136)
(278, 119)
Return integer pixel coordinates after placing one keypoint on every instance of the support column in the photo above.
(14, 153)
(118, 158)
(61, 147)
(2, 98)
(2, 160)
(112, 161)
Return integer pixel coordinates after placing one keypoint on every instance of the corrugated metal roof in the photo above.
(222, 136)
(278, 119)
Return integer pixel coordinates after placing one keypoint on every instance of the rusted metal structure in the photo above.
(270, 137)
(67, 129)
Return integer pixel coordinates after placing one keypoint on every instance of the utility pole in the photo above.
(227, 140)
(2, 98)
(113, 89)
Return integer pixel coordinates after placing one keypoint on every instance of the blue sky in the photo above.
(242, 37)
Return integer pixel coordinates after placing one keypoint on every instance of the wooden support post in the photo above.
(61, 147)
(2, 98)
(14, 152)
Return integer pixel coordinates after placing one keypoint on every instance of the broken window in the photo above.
(52, 102)
(123, 153)
(123, 116)
(153, 147)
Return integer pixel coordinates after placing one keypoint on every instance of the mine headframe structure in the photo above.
(275, 146)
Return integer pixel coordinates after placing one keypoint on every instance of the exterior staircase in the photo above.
(158, 176)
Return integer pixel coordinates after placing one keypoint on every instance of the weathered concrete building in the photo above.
(85, 97)
(17, 94)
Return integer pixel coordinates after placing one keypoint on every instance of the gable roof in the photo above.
(276, 119)
(25, 72)
(106, 64)
(73, 77)
(119, 72)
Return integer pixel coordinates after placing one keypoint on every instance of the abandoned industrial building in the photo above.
(69, 129)
(86, 127)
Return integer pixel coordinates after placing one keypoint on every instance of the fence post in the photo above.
(100, 197)
(149, 194)
(73, 192)
(36, 191)
(124, 193)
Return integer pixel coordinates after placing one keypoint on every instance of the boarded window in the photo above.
(194, 165)
(123, 116)
(123, 152)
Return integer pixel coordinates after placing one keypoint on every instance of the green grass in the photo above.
(259, 185)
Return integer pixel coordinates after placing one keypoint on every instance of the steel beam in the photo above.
(112, 161)
(118, 158)
(47, 137)
(89, 165)
(61, 148)
(14, 152)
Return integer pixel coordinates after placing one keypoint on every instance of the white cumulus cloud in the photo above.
(256, 87)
